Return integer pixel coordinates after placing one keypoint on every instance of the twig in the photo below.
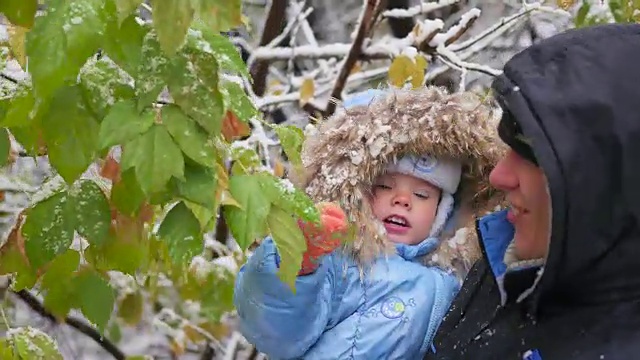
(72, 321)
(370, 9)
(10, 78)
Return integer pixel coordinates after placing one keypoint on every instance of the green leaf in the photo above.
(124, 123)
(60, 294)
(152, 71)
(126, 194)
(5, 146)
(218, 15)
(60, 42)
(71, 134)
(189, 136)
(180, 229)
(123, 42)
(172, 19)
(193, 84)
(199, 186)
(13, 262)
(290, 243)
(95, 298)
(284, 195)
(155, 157)
(126, 8)
(32, 343)
(207, 41)
(93, 214)
(48, 229)
(237, 100)
(291, 138)
(20, 109)
(21, 13)
(247, 223)
(103, 84)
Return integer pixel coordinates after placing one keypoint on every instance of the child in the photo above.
(383, 295)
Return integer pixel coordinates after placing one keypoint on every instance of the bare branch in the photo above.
(74, 322)
(260, 69)
(371, 7)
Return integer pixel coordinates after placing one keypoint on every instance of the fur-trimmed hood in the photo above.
(344, 155)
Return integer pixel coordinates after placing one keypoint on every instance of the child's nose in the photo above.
(402, 199)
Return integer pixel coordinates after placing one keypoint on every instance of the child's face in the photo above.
(406, 205)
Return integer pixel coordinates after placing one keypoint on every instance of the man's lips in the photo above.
(514, 213)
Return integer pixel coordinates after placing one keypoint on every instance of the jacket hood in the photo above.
(575, 96)
(354, 146)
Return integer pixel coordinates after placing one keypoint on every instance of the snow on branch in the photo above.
(422, 9)
(428, 37)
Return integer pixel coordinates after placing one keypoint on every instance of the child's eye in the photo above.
(422, 195)
(382, 186)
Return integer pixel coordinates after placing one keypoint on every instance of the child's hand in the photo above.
(325, 238)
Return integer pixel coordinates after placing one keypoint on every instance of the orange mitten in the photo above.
(322, 238)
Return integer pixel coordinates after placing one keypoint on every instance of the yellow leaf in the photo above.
(177, 348)
(565, 4)
(401, 70)
(17, 36)
(356, 67)
(192, 334)
(216, 330)
(278, 169)
(222, 176)
(417, 77)
(131, 308)
(306, 91)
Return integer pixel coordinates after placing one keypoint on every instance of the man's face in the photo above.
(406, 205)
(526, 188)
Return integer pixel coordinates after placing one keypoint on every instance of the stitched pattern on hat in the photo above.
(425, 164)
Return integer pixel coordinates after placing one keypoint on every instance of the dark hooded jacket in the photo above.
(576, 97)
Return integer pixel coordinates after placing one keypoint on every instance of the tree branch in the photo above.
(371, 8)
(272, 27)
(72, 321)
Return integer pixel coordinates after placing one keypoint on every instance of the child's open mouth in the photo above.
(396, 224)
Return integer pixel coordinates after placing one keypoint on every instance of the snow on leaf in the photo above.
(290, 243)
(95, 297)
(152, 71)
(283, 194)
(49, 228)
(32, 343)
(71, 133)
(104, 84)
(228, 56)
(237, 101)
(171, 19)
(247, 223)
(93, 214)
(155, 157)
(123, 123)
(60, 42)
(193, 84)
(180, 230)
(190, 137)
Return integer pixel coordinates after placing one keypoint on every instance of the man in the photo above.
(560, 277)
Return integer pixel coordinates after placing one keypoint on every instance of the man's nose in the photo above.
(503, 175)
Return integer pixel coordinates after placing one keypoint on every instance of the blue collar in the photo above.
(412, 252)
